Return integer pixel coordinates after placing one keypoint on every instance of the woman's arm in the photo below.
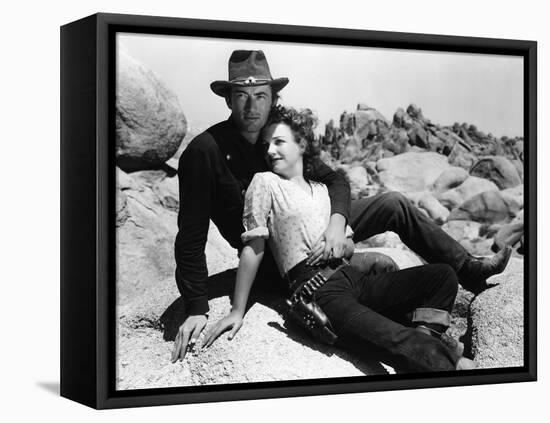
(251, 257)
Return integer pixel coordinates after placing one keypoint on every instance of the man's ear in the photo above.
(228, 101)
(274, 98)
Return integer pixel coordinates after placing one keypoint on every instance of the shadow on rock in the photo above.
(367, 362)
(220, 285)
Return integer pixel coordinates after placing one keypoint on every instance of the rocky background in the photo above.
(469, 182)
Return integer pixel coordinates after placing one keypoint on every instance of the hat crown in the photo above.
(248, 65)
(247, 68)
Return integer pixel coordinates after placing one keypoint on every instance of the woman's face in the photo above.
(285, 154)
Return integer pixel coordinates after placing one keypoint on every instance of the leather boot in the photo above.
(474, 272)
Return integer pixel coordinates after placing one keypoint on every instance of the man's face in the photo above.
(250, 107)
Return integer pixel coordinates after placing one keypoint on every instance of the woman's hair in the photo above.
(301, 123)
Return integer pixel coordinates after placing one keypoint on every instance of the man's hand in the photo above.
(233, 321)
(332, 244)
(188, 334)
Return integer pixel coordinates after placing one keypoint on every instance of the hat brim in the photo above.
(221, 88)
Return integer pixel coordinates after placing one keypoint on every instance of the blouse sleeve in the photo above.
(257, 207)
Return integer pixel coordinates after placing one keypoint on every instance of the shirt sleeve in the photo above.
(338, 188)
(198, 163)
(257, 208)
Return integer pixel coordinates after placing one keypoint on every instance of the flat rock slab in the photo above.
(265, 349)
(497, 320)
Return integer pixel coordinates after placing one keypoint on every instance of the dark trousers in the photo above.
(394, 212)
(373, 313)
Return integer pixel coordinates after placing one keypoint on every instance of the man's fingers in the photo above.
(337, 252)
(184, 342)
(177, 346)
(316, 251)
(319, 243)
(196, 333)
(327, 252)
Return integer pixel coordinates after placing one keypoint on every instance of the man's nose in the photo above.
(250, 103)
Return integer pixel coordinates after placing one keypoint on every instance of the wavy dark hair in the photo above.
(301, 123)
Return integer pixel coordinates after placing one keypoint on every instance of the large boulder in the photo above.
(487, 207)
(429, 205)
(365, 122)
(514, 196)
(351, 153)
(462, 155)
(507, 233)
(449, 178)
(471, 187)
(359, 180)
(468, 234)
(402, 119)
(418, 136)
(435, 210)
(150, 124)
(145, 232)
(497, 320)
(411, 171)
(497, 169)
(448, 138)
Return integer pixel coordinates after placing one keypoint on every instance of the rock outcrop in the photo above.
(488, 207)
(150, 124)
(497, 320)
(497, 169)
(411, 171)
(471, 187)
(145, 233)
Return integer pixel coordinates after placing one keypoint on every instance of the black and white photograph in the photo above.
(321, 212)
(293, 211)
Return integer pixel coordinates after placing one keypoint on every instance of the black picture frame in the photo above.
(88, 212)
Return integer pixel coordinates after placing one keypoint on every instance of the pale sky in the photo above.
(484, 90)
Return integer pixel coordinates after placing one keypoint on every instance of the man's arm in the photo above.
(333, 243)
(338, 188)
(196, 189)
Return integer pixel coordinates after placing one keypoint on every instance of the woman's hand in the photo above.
(233, 321)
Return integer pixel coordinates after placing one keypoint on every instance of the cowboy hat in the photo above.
(248, 68)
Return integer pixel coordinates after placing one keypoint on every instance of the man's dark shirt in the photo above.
(214, 172)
